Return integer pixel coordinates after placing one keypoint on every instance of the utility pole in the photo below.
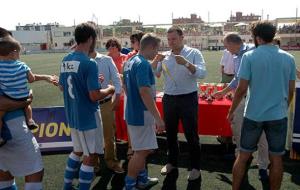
(296, 25)
(208, 17)
(296, 15)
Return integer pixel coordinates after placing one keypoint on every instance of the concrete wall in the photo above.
(35, 37)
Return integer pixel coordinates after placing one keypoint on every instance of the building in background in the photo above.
(33, 40)
(239, 17)
(192, 20)
(36, 36)
(198, 34)
(63, 37)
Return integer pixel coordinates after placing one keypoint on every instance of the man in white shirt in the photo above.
(109, 74)
(227, 67)
(227, 74)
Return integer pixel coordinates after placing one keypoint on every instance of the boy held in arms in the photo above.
(14, 78)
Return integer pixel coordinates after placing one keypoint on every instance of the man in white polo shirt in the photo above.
(227, 67)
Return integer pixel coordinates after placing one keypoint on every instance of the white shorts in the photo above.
(89, 141)
(143, 137)
(21, 155)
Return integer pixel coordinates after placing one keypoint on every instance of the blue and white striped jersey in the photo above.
(13, 79)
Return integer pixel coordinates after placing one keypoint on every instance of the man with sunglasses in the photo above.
(135, 39)
(113, 47)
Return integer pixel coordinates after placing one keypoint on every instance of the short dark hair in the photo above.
(113, 42)
(263, 29)
(8, 45)
(175, 29)
(233, 37)
(84, 31)
(137, 35)
(4, 32)
(149, 39)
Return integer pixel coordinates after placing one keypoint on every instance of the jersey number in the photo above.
(70, 87)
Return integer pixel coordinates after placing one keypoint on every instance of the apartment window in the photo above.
(212, 41)
(47, 27)
(67, 33)
(67, 44)
(58, 34)
(26, 28)
(37, 28)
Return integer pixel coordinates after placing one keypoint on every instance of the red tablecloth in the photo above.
(211, 121)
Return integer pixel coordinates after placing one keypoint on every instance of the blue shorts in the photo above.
(275, 131)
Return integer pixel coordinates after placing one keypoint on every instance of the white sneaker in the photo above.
(194, 174)
(166, 169)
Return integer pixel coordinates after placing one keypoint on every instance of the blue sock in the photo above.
(86, 175)
(73, 164)
(142, 177)
(14, 187)
(129, 182)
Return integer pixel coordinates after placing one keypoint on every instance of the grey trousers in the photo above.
(262, 146)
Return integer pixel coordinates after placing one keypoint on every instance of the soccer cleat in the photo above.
(194, 174)
(2, 142)
(75, 187)
(166, 169)
(32, 125)
(150, 183)
(263, 175)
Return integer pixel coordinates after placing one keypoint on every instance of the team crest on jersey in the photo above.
(128, 65)
(69, 66)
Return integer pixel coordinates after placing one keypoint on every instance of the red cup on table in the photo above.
(203, 87)
(219, 87)
(211, 90)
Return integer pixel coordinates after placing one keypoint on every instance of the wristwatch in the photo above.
(187, 64)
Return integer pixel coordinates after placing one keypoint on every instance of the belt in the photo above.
(181, 95)
(230, 75)
(104, 100)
